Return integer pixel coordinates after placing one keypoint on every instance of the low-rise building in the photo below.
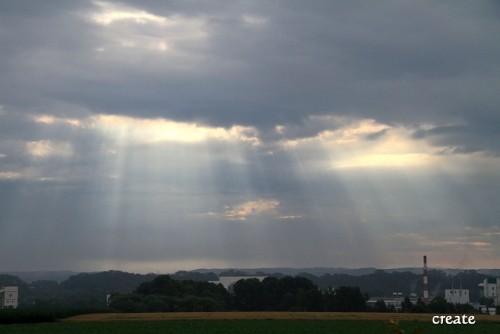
(395, 302)
(491, 287)
(9, 297)
(457, 296)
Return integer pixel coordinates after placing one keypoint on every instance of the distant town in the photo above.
(281, 289)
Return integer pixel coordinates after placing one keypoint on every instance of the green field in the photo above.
(241, 327)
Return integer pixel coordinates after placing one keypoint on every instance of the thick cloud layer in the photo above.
(157, 135)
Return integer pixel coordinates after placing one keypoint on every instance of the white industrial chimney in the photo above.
(426, 282)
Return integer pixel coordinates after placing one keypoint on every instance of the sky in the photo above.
(156, 136)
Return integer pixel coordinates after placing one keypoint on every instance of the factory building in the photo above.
(457, 296)
(491, 287)
(395, 302)
(9, 297)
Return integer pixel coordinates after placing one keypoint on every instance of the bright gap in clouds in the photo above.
(125, 27)
(358, 181)
(162, 130)
(367, 144)
(338, 133)
(160, 176)
(396, 185)
(112, 12)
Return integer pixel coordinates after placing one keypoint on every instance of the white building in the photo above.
(457, 296)
(390, 302)
(9, 297)
(396, 301)
(491, 287)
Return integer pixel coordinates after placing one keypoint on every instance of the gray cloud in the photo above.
(345, 121)
(331, 59)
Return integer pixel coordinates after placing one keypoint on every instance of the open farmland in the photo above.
(422, 317)
(242, 327)
(249, 323)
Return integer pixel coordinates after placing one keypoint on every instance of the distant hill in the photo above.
(6, 279)
(89, 290)
(319, 271)
(81, 290)
(31, 276)
(291, 271)
(60, 276)
(106, 282)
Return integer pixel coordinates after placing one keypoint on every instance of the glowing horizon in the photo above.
(150, 136)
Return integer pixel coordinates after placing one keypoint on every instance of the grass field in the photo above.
(246, 323)
(424, 317)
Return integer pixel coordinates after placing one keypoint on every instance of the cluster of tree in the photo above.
(89, 290)
(275, 294)
(383, 283)
(345, 299)
(271, 294)
(436, 305)
(440, 305)
(81, 291)
(163, 294)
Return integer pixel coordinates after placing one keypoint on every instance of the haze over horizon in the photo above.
(156, 136)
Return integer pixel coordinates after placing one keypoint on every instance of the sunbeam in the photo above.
(160, 135)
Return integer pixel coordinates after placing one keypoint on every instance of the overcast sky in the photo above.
(156, 136)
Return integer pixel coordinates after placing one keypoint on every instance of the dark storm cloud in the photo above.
(308, 77)
(33, 34)
(393, 62)
(462, 139)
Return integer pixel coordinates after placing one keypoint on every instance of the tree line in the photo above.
(287, 293)
(89, 290)
(165, 294)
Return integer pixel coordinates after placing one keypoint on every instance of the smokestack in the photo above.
(426, 283)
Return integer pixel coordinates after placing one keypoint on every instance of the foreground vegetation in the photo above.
(36, 315)
(244, 327)
(89, 290)
(295, 294)
(163, 294)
